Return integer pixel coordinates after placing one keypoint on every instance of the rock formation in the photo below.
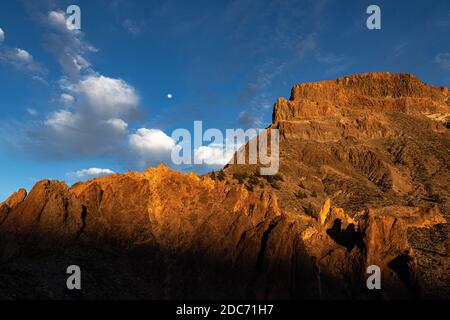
(364, 172)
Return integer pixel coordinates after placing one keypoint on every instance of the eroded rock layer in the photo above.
(364, 172)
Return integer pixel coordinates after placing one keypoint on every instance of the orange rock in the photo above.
(356, 155)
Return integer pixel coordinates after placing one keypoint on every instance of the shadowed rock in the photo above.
(363, 177)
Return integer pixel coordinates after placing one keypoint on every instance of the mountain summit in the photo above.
(363, 181)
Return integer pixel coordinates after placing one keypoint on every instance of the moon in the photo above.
(169, 96)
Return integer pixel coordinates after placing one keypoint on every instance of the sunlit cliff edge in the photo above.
(364, 175)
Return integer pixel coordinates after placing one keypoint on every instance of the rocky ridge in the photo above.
(363, 180)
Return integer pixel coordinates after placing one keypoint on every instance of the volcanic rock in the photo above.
(364, 172)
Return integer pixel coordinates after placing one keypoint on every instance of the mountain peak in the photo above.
(363, 181)
(376, 92)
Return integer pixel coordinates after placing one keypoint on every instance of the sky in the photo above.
(77, 104)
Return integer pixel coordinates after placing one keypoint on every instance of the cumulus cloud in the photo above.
(218, 154)
(22, 60)
(68, 46)
(106, 97)
(214, 155)
(67, 98)
(93, 121)
(90, 173)
(66, 134)
(62, 120)
(23, 55)
(443, 59)
(151, 146)
(93, 110)
(149, 140)
(118, 124)
(57, 19)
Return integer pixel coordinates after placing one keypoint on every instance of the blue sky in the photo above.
(224, 62)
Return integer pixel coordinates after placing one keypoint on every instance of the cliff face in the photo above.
(369, 142)
(363, 180)
(374, 92)
(371, 139)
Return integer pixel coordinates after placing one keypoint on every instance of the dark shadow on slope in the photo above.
(402, 265)
(149, 272)
(347, 237)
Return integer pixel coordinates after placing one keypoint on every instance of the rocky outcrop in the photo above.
(199, 227)
(355, 189)
(375, 92)
(368, 142)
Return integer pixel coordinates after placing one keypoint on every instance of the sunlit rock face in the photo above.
(364, 173)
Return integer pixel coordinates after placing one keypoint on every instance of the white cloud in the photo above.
(94, 121)
(73, 133)
(80, 62)
(32, 112)
(95, 108)
(21, 60)
(91, 173)
(106, 97)
(151, 140)
(220, 154)
(61, 120)
(443, 59)
(118, 124)
(67, 98)
(213, 155)
(68, 46)
(40, 79)
(23, 55)
(57, 19)
(151, 147)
